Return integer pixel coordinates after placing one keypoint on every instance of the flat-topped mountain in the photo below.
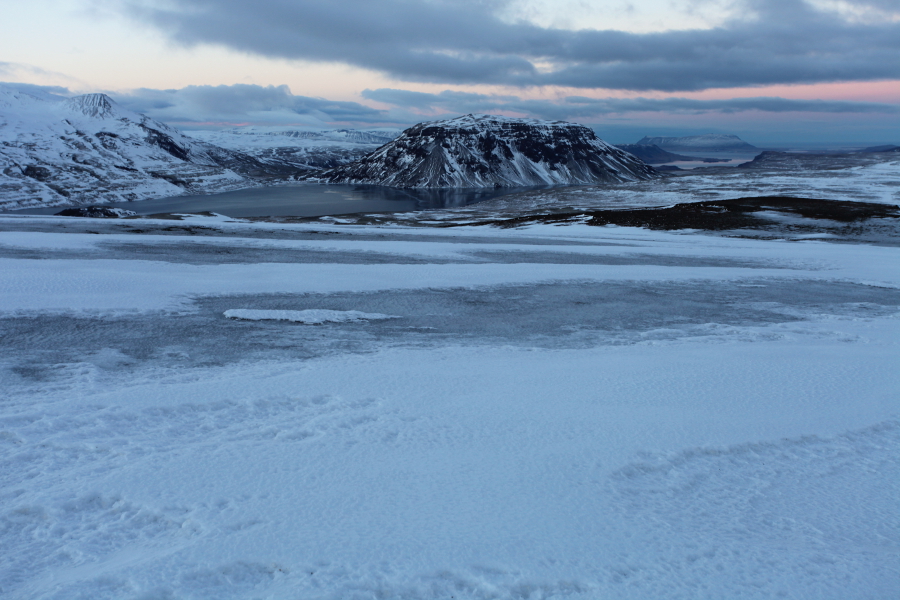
(492, 151)
(710, 142)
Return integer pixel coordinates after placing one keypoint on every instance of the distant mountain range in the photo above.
(654, 155)
(711, 142)
(492, 151)
(300, 148)
(88, 149)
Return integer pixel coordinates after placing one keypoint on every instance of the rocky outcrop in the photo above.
(96, 212)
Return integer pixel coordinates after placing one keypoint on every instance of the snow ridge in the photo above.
(492, 151)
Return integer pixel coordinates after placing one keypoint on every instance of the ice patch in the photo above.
(315, 316)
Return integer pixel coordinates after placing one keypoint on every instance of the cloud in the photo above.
(577, 107)
(225, 105)
(467, 42)
(51, 81)
(41, 91)
(242, 103)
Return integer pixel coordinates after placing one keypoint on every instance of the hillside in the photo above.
(88, 149)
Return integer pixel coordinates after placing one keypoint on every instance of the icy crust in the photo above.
(490, 151)
(87, 149)
(313, 316)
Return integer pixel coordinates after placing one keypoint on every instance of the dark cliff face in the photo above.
(488, 151)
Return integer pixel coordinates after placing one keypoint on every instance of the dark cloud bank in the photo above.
(466, 42)
(580, 107)
(459, 42)
(277, 105)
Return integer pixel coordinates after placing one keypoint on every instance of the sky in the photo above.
(771, 71)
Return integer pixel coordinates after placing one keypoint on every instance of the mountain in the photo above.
(88, 150)
(491, 151)
(300, 148)
(711, 142)
(884, 148)
(654, 155)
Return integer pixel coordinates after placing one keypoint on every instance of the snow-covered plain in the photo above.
(551, 412)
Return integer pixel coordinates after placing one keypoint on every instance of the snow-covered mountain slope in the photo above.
(711, 142)
(88, 149)
(300, 148)
(491, 151)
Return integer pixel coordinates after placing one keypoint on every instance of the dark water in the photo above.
(306, 200)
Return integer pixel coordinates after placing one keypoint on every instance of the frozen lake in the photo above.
(307, 200)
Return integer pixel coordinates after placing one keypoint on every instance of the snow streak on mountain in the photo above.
(491, 151)
(88, 149)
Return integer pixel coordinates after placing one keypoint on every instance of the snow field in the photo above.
(705, 456)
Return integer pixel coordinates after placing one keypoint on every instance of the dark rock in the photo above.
(718, 214)
(157, 138)
(35, 172)
(96, 212)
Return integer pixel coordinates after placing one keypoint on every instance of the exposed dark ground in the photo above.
(762, 216)
(719, 215)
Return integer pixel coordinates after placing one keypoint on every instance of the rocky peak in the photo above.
(98, 106)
